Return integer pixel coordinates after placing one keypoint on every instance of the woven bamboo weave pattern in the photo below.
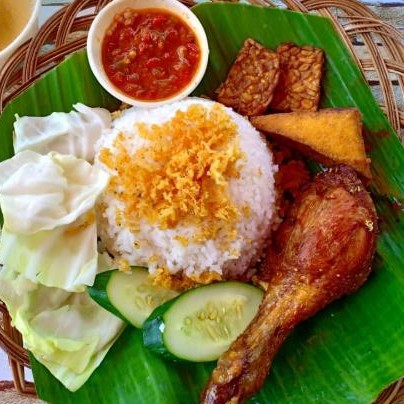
(377, 48)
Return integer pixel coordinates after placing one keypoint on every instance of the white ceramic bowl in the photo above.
(103, 21)
(29, 30)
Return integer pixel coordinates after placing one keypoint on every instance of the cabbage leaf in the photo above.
(65, 257)
(43, 192)
(72, 133)
(48, 246)
(67, 332)
(50, 232)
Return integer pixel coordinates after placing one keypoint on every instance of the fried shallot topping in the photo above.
(181, 174)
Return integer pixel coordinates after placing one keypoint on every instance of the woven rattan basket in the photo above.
(377, 47)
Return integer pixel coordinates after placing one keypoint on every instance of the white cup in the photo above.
(30, 29)
(104, 20)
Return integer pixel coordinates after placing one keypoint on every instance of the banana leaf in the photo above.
(346, 354)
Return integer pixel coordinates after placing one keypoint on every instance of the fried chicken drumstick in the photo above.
(322, 251)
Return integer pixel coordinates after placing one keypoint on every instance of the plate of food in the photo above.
(241, 243)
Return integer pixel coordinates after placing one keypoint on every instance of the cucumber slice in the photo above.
(129, 295)
(200, 324)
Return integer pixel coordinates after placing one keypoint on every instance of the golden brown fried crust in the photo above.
(301, 70)
(251, 81)
(322, 251)
(330, 136)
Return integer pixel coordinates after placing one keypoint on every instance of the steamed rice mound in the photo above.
(191, 190)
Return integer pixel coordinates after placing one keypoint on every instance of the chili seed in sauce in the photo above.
(150, 54)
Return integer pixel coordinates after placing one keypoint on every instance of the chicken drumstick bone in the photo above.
(322, 251)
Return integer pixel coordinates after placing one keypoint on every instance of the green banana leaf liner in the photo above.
(346, 354)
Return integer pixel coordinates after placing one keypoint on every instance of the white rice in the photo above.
(255, 187)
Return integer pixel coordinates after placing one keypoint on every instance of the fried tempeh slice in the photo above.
(251, 81)
(300, 78)
(322, 251)
(330, 136)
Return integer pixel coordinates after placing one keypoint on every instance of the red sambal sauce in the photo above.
(150, 54)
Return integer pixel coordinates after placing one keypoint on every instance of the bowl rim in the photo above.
(105, 17)
(27, 27)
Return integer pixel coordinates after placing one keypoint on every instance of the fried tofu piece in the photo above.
(329, 136)
(251, 81)
(300, 78)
